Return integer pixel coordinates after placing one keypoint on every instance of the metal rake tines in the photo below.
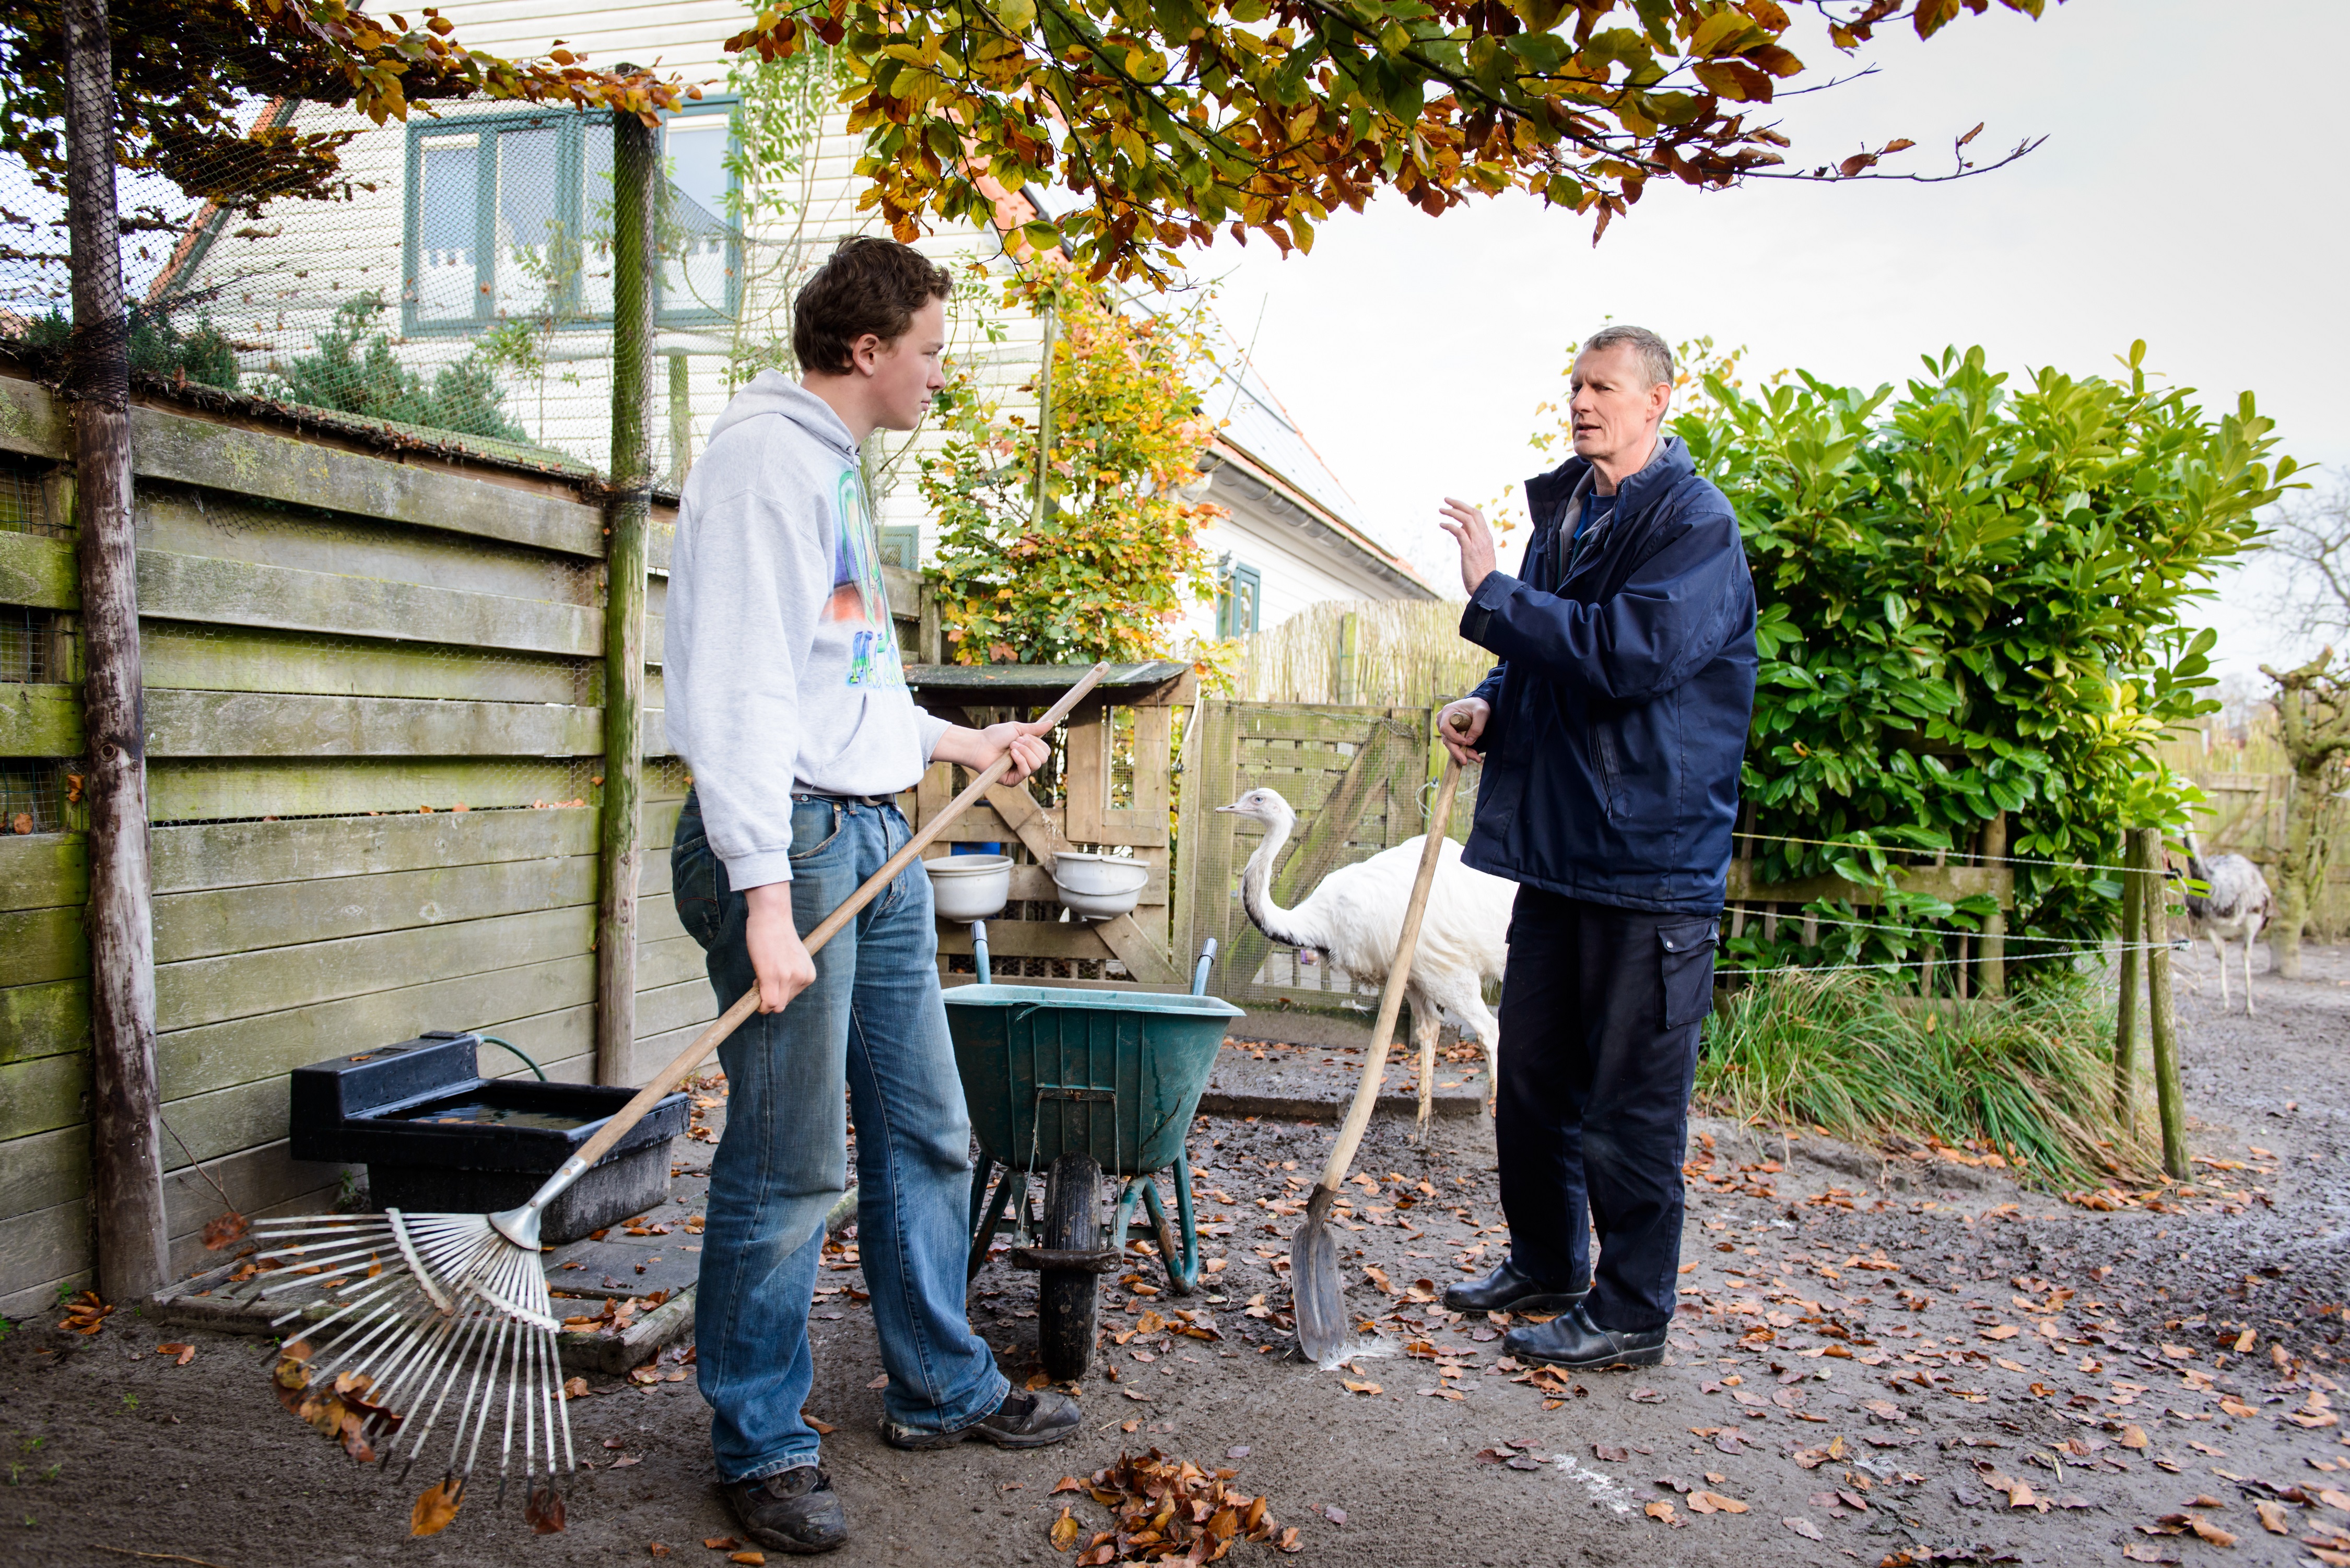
(457, 1328)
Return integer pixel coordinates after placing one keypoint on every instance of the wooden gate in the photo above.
(1356, 778)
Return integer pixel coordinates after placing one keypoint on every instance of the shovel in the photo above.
(1316, 1290)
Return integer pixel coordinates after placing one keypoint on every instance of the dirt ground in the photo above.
(1875, 1361)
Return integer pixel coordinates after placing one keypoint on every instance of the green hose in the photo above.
(494, 1039)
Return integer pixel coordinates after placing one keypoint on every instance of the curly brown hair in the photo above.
(867, 285)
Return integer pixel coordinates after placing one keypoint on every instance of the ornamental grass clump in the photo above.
(2024, 1083)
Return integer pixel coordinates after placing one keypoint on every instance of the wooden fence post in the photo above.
(1351, 632)
(1994, 941)
(2126, 1002)
(635, 168)
(2159, 1013)
(126, 1188)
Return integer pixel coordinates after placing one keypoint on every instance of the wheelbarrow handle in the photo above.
(1200, 971)
(709, 1039)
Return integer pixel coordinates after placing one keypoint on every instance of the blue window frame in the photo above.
(1239, 601)
(510, 215)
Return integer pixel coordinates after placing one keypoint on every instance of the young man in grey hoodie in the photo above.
(787, 698)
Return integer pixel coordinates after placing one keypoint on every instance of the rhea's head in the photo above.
(1264, 805)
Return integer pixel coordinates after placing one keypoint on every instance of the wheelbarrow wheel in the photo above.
(1068, 1304)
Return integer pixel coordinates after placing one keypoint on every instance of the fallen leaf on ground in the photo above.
(1066, 1531)
(1660, 1509)
(1803, 1527)
(544, 1511)
(2274, 1518)
(1354, 1388)
(1068, 1484)
(436, 1507)
(721, 1542)
(181, 1354)
(2004, 1330)
(748, 1559)
(821, 1429)
(2133, 1437)
(2137, 1554)
(574, 1389)
(1714, 1501)
(1613, 1455)
(880, 1382)
(656, 1548)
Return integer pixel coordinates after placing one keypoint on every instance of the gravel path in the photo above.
(1875, 1361)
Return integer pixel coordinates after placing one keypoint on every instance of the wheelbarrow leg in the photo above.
(1014, 1185)
(1180, 1255)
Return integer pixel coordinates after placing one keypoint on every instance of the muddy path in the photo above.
(1875, 1361)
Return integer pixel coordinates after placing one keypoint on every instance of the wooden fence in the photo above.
(373, 729)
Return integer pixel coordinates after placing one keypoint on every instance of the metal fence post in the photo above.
(635, 169)
(126, 1189)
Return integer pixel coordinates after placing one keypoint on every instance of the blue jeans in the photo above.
(873, 1022)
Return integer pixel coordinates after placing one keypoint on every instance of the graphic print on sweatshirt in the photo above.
(858, 597)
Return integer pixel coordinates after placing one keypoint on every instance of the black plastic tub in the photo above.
(437, 1137)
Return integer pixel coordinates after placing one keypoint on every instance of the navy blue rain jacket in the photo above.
(1621, 703)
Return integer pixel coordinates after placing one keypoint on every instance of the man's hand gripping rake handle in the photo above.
(520, 1226)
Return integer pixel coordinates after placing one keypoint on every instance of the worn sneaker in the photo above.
(794, 1510)
(1023, 1421)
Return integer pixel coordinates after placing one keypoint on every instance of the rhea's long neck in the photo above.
(1256, 890)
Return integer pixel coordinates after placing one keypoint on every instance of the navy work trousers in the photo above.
(1600, 1012)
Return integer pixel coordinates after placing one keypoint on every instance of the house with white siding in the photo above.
(470, 236)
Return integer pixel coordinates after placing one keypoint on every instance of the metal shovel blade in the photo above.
(1315, 1290)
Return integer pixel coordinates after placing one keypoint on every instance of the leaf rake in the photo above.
(404, 1315)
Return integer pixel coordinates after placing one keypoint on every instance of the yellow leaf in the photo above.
(1066, 1531)
(436, 1507)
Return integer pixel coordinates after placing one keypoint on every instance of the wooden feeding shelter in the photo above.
(1111, 794)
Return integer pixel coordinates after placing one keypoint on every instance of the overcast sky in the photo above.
(2186, 194)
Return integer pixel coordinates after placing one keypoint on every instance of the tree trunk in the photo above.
(126, 1189)
(2301, 869)
(635, 266)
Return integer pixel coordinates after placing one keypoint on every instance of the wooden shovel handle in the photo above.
(710, 1039)
(1366, 1093)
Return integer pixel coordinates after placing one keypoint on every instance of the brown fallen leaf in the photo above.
(2332, 1498)
(2235, 1406)
(748, 1559)
(1662, 1511)
(2245, 1341)
(1066, 1531)
(656, 1548)
(223, 1230)
(1612, 1455)
(721, 1542)
(2133, 1437)
(821, 1429)
(1355, 1386)
(880, 1382)
(2137, 1554)
(180, 1354)
(2209, 1530)
(436, 1507)
(574, 1389)
(2004, 1330)
(544, 1511)
(2274, 1518)
(1714, 1501)
(1068, 1483)
(1803, 1527)
(354, 1444)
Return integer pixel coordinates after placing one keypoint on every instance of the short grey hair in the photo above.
(1655, 358)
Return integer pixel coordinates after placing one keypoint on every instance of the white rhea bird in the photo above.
(2235, 904)
(1354, 916)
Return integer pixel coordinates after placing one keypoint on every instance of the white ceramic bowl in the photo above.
(1098, 886)
(969, 886)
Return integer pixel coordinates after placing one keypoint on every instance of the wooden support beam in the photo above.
(635, 169)
(2161, 1016)
(2126, 1003)
(126, 1197)
(1994, 942)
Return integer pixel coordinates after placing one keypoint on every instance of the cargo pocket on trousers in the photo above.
(1688, 960)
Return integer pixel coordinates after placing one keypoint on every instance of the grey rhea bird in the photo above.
(2234, 904)
(1354, 917)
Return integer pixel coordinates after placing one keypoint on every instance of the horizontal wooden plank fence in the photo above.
(374, 728)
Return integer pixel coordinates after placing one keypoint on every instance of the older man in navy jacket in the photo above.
(1612, 732)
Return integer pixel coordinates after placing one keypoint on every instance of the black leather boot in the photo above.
(1506, 1290)
(1572, 1340)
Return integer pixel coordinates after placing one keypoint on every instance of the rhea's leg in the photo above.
(1424, 1027)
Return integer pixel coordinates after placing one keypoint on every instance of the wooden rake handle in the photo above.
(1366, 1093)
(709, 1039)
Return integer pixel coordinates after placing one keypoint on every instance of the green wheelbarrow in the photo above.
(1074, 1084)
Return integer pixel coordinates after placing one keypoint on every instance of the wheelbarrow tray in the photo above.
(1116, 1075)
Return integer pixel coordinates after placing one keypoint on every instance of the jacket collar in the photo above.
(1548, 494)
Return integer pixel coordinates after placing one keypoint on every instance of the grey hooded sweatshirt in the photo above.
(779, 658)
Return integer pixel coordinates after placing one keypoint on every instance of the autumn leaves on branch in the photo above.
(1266, 116)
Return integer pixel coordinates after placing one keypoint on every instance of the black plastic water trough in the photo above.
(436, 1135)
